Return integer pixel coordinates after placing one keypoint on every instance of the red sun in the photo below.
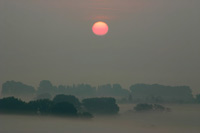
(100, 28)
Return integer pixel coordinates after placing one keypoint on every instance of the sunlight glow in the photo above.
(100, 28)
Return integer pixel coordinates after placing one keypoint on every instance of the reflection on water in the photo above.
(182, 119)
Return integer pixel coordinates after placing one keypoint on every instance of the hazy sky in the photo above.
(149, 41)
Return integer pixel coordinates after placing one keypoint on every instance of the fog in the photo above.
(149, 41)
(182, 119)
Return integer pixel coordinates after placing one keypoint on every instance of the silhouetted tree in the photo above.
(81, 90)
(64, 109)
(17, 89)
(156, 93)
(42, 106)
(101, 105)
(67, 98)
(46, 86)
(12, 105)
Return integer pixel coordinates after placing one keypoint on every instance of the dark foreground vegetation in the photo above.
(138, 93)
(105, 105)
(61, 105)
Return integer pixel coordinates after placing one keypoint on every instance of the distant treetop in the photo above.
(18, 89)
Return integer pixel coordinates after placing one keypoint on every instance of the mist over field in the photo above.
(109, 108)
(136, 71)
(182, 119)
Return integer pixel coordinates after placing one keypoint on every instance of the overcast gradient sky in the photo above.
(149, 41)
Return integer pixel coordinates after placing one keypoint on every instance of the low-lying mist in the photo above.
(183, 118)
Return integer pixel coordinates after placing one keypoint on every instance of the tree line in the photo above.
(61, 105)
(137, 93)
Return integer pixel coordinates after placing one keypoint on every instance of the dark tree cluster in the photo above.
(161, 94)
(67, 98)
(80, 90)
(85, 90)
(46, 86)
(17, 89)
(64, 108)
(61, 105)
(43, 106)
(47, 90)
(101, 105)
(13, 105)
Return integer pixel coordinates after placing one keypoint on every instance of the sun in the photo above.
(100, 28)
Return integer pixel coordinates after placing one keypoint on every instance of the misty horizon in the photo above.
(93, 86)
(93, 66)
(149, 41)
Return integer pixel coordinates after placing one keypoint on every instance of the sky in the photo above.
(149, 41)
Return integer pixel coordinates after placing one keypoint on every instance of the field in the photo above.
(182, 119)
